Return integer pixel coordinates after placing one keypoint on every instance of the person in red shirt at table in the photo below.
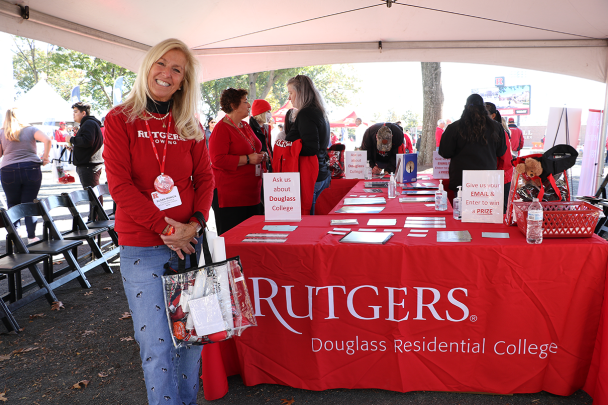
(236, 157)
(155, 152)
(439, 132)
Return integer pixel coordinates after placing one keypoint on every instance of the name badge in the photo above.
(166, 201)
(258, 170)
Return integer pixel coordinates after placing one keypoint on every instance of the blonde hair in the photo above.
(506, 126)
(12, 126)
(260, 118)
(185, 101)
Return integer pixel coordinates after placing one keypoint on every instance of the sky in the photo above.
(398, 86)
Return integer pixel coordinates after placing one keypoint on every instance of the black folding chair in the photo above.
(79, 230)
(96, 211)
(11, 265)
(51, 245)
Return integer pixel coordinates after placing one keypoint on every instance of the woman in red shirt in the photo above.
(236, 160)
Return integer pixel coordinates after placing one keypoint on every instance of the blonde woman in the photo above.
(155, 151)
(20, 169)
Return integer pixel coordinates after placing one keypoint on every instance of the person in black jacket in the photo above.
(378, 159)
(87, 145)
(312, 127)
(474, 142)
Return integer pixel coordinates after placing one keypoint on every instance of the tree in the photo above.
(432, 110)
(337, 84)
(64, 69)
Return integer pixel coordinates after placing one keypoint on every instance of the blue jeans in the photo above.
(319, 187)
(171, 375)
(21, 183)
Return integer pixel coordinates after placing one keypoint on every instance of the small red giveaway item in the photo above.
(179, 330)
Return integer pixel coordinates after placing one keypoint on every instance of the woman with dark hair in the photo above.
(504, 162)
(474, 142)
(312, 127)
(236, 162)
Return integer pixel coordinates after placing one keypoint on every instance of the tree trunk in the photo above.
(432, 110)
(253, 77)
(269, 84)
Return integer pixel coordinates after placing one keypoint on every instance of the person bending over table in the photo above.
(382, 151)
(312, 127)
(474, 142)
(155, 149)
(236, 162)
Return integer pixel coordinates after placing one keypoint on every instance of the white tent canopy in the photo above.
(41, 104)
(243, 36)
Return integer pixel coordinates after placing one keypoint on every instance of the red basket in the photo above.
(574, 219)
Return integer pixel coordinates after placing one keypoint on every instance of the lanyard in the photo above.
(162, 165)
(242, 133)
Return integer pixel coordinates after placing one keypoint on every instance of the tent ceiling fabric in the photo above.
(243, 36)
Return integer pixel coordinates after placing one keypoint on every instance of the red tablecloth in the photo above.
(332, 195)
(490, 315)
(393, 206)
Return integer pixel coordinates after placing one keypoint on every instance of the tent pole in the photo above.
(602, 145)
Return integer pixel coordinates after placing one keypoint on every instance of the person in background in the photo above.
(474, 142)
(103, 128)
(382, 152)
(409, 147)
(439, 132)
(448, 122)
(260, 115)
(155, 143)
(504, 162)
(312, 127)
(236, 157)
(61, 132)
(333, 138)
(209, 130)
(359, 131)
(87, 146)
(20, 172)
(517, 137)
(281, 135)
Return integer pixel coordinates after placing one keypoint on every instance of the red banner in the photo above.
(491, 315)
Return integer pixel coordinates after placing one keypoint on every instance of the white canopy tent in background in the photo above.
(43, 105)
(244, 36)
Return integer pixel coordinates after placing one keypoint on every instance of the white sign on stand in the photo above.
(282, 200)
(483, 196)
(354, 164)
(441, 166)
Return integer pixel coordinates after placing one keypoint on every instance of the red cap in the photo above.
(62, 123)
(511, 119)
(260, 106)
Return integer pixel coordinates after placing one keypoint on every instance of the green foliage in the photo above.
(408, 120)
(64, 69)
(336, 83)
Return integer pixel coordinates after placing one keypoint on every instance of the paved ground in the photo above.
(58, 351)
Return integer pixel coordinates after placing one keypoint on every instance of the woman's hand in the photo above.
(256, 158)
(45, 159)
(376, 170)
(180, 240)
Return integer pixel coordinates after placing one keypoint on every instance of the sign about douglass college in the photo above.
(282, 197)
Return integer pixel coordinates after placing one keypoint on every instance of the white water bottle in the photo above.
(458, 204)
(534, 232)
(367, 174)
(392, 187)
(441, 198)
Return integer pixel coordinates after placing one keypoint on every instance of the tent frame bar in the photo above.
(401, 45)
(36, 17)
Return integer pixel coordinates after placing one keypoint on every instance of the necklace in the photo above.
(160, 119)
